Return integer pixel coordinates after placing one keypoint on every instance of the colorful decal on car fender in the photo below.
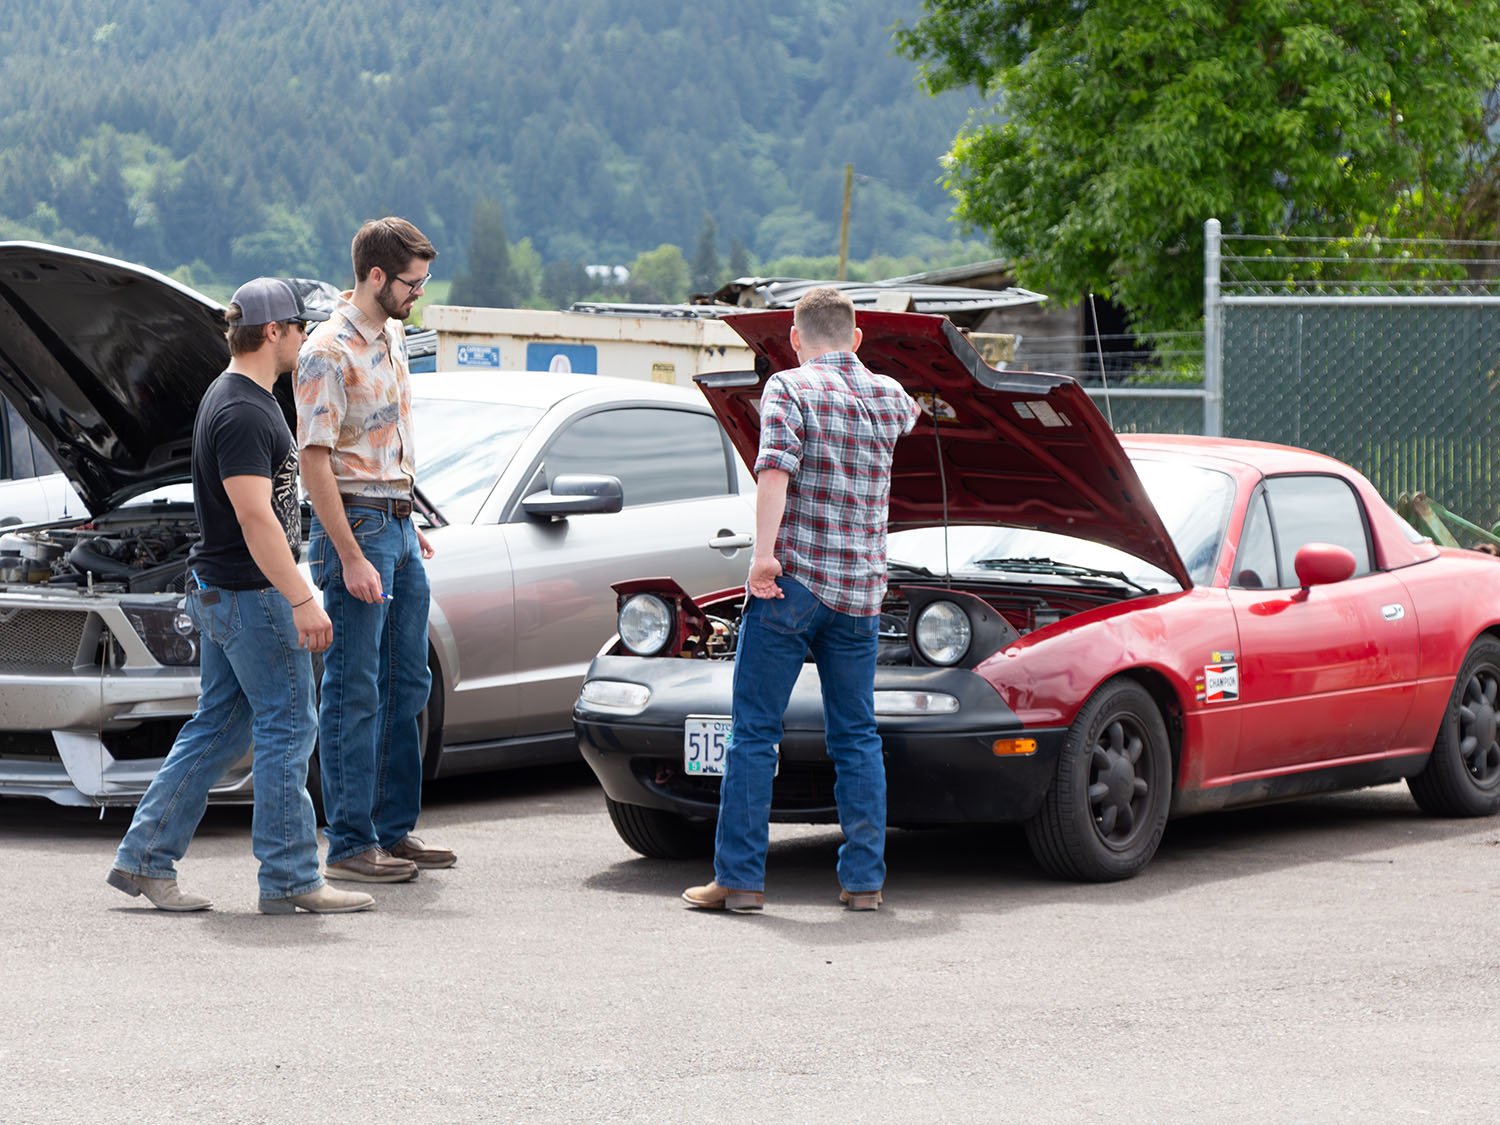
(1220, 681)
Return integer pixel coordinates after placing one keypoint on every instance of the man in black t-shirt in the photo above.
(260, 622)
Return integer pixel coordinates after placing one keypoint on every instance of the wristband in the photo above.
(305, 600)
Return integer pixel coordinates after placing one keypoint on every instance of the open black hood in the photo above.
(106, 362)
(1011, 448)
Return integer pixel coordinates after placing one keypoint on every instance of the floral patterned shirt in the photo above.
(354, 397)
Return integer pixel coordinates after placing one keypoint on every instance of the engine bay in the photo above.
(1018, 609)
(130, 550)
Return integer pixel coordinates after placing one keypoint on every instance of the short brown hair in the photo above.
(243, 338)
(825, 316)
(388, 244)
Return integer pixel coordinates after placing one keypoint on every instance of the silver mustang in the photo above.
(540, 490)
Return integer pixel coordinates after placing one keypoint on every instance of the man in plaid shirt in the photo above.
(816, 582)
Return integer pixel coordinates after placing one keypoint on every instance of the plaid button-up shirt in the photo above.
(832, 425)
(354, 396)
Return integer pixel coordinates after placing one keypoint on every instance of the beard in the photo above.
(390, 304)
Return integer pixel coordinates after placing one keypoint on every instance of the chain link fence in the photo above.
(1382, 353)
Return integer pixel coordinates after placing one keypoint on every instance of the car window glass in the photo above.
(658, 455)
(1193, 503)
(1255, 562)
(1316, 509)
(462, 447)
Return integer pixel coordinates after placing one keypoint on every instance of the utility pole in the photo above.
(844, 222)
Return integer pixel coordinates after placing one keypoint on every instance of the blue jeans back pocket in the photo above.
(791, 613)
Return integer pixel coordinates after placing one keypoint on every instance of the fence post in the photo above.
(1213, 334)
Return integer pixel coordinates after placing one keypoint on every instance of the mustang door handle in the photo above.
(728, 540)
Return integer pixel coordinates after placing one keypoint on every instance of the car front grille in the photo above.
(47, 638)
(798, 786)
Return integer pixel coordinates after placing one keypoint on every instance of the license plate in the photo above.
(704, 739)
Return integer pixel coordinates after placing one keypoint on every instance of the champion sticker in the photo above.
(1220, 683)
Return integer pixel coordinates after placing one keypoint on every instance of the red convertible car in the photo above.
(1085, 633)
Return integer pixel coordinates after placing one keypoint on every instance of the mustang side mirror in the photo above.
(576, 494)
(1318, 564)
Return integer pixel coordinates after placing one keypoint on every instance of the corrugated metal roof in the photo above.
(964, 306)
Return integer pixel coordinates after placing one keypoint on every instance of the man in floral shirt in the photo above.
(816, 582)
(354, 430)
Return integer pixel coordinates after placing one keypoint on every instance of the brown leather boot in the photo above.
(715, 897)
(373, 865)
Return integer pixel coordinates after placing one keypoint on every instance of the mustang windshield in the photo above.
(1193, 503)
(462, 448)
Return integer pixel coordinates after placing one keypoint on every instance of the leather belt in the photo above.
(390, 505)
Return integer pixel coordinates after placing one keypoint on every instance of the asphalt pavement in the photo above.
(1329, 960)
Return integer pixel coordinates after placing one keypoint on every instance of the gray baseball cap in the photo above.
(268, 299)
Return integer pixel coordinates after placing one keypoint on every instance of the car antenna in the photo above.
(1109, 413)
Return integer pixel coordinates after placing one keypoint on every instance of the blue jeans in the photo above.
(775, 637)
(256, 682)
(375, 684)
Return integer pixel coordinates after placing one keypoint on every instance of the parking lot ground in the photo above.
(1329, 960)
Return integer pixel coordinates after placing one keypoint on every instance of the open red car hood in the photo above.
(1010, 448)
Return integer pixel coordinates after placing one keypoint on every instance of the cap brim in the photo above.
(313, 314)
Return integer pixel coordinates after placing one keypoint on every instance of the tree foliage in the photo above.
(705, 269)
(1111, 130)
(487, 280)
(174, 132)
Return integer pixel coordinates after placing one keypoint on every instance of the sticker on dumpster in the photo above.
(479, 355)
(581, 358)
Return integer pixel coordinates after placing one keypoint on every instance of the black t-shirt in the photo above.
(240, 431)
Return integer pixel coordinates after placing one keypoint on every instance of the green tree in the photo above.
(739, 260)
(1115, 128)
(488, 280)
(563, 282)
(705, 270)
(658, 276)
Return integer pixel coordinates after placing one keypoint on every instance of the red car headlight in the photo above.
(646, 624)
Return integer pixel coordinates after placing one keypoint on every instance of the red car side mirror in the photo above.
(1318, 564)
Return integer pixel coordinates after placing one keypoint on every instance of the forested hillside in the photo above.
(228, 138)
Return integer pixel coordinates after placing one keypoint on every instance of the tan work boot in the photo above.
(324, 900)
(861, 900)
(715, 897)
(161, 893)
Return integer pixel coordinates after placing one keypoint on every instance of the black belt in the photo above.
(387, 504)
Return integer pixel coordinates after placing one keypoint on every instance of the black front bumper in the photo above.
(940, 768)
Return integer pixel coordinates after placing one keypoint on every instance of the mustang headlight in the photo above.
(169, 633)
(645, 624)
(943, 633)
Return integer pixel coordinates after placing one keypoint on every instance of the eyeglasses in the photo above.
(295, 323)
(413, 285)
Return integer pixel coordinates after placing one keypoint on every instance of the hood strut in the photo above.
(937, 442)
